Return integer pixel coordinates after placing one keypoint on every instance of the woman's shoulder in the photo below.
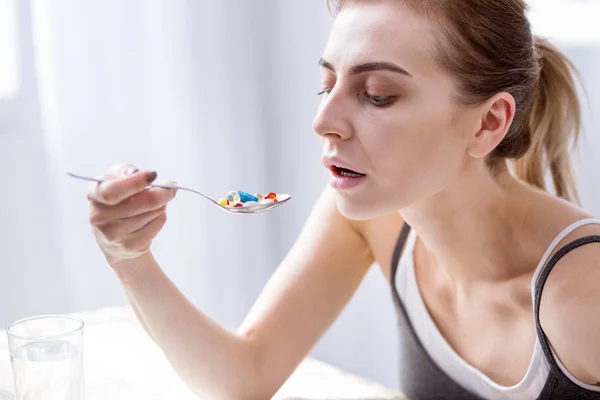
(569, 310)
(570, 302)
(549, 215)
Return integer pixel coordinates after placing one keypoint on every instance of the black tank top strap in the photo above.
(558, 385)
(398, 250)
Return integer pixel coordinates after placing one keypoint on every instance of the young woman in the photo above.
(439, 121)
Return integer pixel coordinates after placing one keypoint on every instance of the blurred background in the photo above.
(217, 95)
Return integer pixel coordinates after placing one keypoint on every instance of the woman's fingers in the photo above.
(125, 214)
(119, 230)
(118, 186)
(140, 240)
(140, 203)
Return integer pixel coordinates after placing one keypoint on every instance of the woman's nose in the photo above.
(332, 119)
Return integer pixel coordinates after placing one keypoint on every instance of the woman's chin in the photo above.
(357, 210)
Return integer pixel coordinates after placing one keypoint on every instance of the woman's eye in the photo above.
(380, 101)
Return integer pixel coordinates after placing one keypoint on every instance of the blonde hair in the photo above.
(489, 47)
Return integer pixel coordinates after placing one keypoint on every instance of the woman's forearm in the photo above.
(137, 313)
(213, 361)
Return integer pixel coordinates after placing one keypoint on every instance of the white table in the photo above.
(122, 362)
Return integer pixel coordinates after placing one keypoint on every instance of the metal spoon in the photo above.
(254, 209)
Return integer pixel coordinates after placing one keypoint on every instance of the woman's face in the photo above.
(387, 111)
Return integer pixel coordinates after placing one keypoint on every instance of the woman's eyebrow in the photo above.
(367, 67)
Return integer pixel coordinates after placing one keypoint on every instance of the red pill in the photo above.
(271, 196)
(238, 205)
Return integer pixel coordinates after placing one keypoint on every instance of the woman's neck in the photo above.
(471, 228)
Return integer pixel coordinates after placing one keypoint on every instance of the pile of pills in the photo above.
(243, 199)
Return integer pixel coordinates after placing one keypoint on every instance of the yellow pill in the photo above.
(223, 202)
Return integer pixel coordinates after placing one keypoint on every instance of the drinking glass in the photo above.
(46, 354)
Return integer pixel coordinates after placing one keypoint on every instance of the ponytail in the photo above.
(554, 124)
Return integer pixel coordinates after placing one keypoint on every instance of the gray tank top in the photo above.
(422, 378)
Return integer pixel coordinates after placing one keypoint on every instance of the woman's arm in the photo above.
(299, 303)
(306, 293)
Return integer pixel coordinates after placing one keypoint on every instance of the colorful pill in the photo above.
(245, 197)
(239, 199)
(233, 197)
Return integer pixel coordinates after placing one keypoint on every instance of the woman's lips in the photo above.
(338, 163)
(345, 172)
(342, 179)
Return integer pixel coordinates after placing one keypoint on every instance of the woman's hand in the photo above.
(124, 214)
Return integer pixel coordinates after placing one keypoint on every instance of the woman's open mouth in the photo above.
(344, 178)
(345, 172)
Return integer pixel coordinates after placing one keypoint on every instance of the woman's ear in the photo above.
(496, 117)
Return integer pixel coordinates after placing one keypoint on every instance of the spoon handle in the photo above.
(100, 180)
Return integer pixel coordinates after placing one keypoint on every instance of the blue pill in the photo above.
(244, 197)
